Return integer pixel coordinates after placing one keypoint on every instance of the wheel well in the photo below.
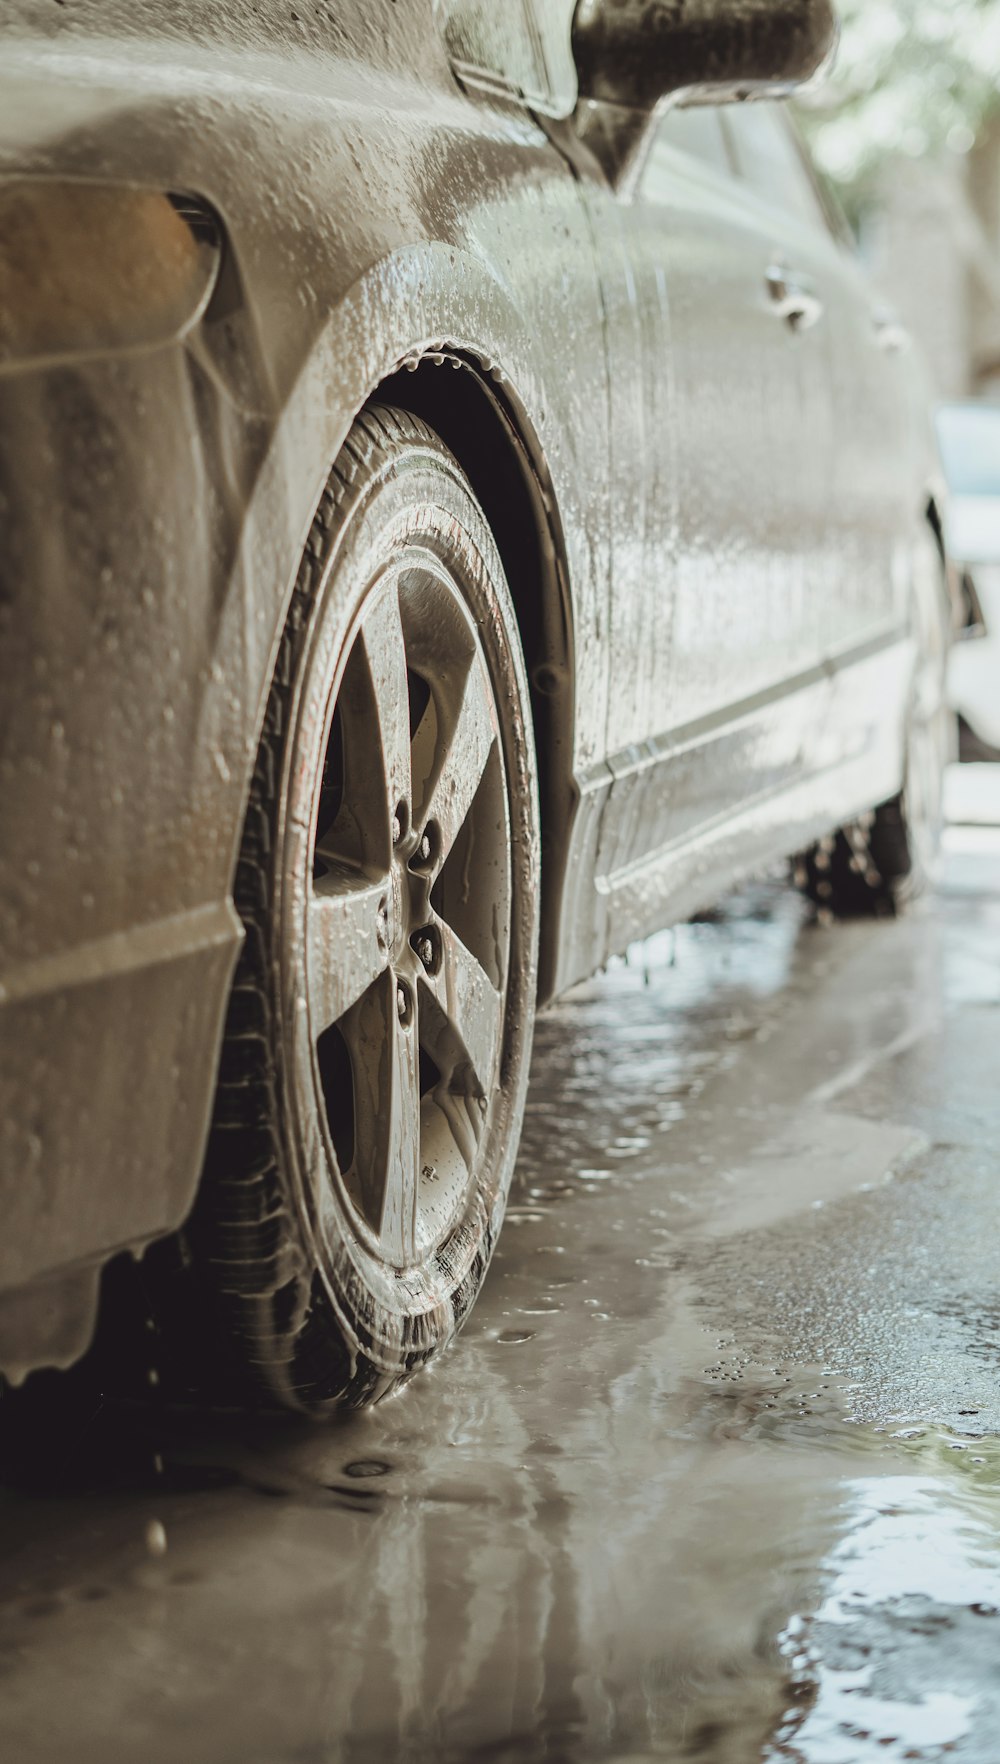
(480, 426)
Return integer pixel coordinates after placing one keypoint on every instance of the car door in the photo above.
(736, 439)
(869, 498)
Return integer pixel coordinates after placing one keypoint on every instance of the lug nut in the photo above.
(427, 845)
(402, 1004)
(426, 946)
(382, 925)
(397, 829)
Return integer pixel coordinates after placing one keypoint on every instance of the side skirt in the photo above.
(662, 830)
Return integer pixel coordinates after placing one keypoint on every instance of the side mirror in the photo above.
(632, 56)
(636, 53)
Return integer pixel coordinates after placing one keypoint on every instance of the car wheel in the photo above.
(376, 1051)
(888, 857)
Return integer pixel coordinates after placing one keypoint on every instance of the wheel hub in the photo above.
(407, 923)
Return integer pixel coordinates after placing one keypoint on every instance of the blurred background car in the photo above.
(969, 439)
(906, 131)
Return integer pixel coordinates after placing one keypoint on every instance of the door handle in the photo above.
(792, 299)
(890, 335)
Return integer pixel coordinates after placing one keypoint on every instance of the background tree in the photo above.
(913, 78)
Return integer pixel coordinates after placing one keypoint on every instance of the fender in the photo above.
(424, 302)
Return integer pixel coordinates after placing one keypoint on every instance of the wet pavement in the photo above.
(713, 1472)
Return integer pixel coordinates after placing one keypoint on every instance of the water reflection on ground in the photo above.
(712, 1473)
(900, 1656)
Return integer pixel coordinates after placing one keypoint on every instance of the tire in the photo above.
(886, 859)
(375, 1057)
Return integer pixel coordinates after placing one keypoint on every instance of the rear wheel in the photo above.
(887, 858)
(375, 1057)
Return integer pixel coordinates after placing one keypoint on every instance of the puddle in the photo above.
(900, 1658)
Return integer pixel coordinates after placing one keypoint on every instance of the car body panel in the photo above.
(773, 475)
(733, 540)
(969, 435)
(377, 212)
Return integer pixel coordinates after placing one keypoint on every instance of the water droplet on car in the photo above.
(156, 1538)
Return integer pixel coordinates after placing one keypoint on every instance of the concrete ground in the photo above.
(713, 1473)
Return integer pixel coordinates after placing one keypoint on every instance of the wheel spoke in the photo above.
(382, 635)
(399, 1213)
(346, 944)
(385, 1062)
(450, 754)
(463, 1035)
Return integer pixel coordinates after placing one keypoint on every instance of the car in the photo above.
(463, 509)
(969, 439)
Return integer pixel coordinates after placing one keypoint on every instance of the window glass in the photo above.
(769, 159)
(694, 131)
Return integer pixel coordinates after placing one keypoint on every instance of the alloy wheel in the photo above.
(407, 915)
